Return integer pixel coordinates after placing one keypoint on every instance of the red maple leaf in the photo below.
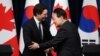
(5, 19)
(68, 13)
(58, 6)
(66, 10)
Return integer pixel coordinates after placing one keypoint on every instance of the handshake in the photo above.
(36, 46)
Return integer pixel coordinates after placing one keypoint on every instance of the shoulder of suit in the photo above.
(68, 25)
(28, 22)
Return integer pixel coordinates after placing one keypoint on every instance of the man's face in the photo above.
(57, 20)
(43, 16)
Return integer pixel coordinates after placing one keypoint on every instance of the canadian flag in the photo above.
(28, 14)
(7, 26)
(89, 23)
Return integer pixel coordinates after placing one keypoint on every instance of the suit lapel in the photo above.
(36, 28)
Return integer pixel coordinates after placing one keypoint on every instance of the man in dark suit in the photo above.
(36, 30)
(67, 40)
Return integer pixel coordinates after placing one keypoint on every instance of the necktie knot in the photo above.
(39, 22)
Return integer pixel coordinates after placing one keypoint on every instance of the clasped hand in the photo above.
(34, 46)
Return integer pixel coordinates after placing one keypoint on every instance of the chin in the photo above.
(43, 19)
(57, 25)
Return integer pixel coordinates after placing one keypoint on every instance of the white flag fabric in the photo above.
(59, 4)
(89, 23)
(7, 26)
(28, 14)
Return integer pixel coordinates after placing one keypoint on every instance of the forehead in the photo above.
(54, 14)
(45, 11)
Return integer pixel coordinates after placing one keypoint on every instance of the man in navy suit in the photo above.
(36, 30)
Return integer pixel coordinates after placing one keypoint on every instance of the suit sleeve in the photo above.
(27, 34)
(60, 37)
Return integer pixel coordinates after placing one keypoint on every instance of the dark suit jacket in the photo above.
(31, 33)
(67, 41)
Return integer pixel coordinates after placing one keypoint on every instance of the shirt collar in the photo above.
(36, 20)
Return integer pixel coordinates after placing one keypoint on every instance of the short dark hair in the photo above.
(60, 12)
(38, 9)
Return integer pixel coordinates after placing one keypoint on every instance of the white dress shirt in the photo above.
(37, 23)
